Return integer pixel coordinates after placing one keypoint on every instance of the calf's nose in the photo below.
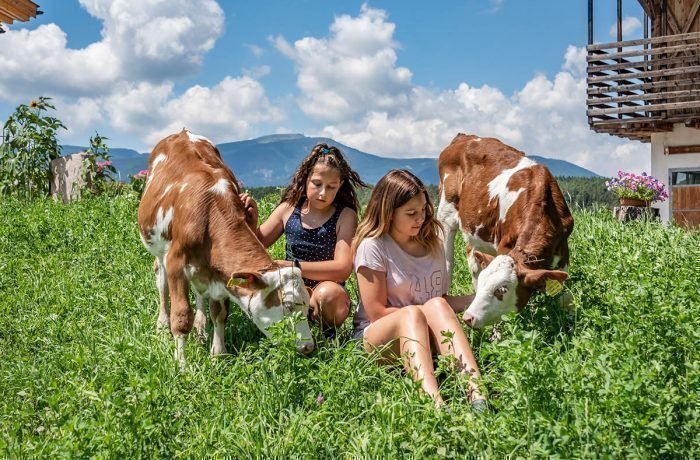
(469, 319)
(305, 348)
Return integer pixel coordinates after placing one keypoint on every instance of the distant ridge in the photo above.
(271, 160)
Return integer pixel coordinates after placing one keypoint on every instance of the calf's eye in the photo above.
(500, 292)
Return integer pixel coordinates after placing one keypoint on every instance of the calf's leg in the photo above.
(200, 318)
(164, 297)
(219, 313)
(181, 316)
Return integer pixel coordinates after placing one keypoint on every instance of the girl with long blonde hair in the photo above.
(402, 277)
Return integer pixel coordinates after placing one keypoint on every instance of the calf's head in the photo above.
(271, 296)
(504, 286)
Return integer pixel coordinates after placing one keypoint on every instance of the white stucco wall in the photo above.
(661, 163)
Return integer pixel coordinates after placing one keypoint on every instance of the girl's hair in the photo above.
(331, 156)
(393, 190)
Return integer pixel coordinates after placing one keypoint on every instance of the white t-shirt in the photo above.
(409, 280)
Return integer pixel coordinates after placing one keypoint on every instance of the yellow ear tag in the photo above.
(553, 287)
(233, 282)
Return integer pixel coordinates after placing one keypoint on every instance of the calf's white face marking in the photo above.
(498, 279)
(295, 298)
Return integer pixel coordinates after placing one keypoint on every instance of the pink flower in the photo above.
(643, 187)
(140, 175)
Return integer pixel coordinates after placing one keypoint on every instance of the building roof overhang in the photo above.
(17, 10)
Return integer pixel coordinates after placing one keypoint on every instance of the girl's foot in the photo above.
(479, 405)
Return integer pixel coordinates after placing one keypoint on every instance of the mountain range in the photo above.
(271, 160)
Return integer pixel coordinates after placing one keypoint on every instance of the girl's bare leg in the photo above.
(406, 335)
(441, 317)
(330, 304)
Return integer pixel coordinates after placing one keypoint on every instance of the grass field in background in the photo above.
(83, 372)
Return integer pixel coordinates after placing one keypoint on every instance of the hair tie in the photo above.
(325, 150)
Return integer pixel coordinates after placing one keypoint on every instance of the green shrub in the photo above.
(98, 171)
(28, 145)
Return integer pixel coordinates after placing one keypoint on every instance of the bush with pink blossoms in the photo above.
(639, 186)
(138, 181)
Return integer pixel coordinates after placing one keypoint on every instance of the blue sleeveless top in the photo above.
(310, 244)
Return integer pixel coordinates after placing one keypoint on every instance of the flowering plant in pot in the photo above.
(637, 189)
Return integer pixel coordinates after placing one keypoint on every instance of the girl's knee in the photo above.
(414, 316)
(439, 305)
(328, 292)
(331, 303)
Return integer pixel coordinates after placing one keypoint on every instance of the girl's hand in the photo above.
(251, 209)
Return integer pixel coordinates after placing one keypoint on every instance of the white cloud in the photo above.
(80, 117)
(257, 72)
(350, 72)
(255, 50)
(630, 25)
(127, 78)
(380, 111)
(39, 59)
(155, 38)
(229, 110)
(145, 40)
(575, 61)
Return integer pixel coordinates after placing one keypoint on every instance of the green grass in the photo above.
(83, 372)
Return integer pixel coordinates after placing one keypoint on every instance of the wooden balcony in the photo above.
(639, 87)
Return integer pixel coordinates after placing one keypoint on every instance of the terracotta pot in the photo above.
(634, 202)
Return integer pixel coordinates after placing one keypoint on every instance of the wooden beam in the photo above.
(691, 16)
(642, 52)
(26, 6)
(685, 94)
(642, 75)
(648, 7)
(641, 41)
(645, 108)
(5, 18)
(11, 17)
(681, 149)
(675, 28)
(13, 11)
(604, 88)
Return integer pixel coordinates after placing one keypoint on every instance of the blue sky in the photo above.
(393, 78)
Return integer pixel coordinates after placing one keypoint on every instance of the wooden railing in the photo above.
(638, 87)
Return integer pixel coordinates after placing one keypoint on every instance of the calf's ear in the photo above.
(483, 258)
(247, 280)
(537, 279)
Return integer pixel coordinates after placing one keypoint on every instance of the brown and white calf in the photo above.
(514, 219)
(191, 219)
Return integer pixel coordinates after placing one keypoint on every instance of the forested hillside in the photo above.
(580, 192)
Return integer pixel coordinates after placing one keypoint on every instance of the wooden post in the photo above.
(590, 22)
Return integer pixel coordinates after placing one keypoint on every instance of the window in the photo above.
(685, 178)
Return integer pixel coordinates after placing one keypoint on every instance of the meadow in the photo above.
(84, 373)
